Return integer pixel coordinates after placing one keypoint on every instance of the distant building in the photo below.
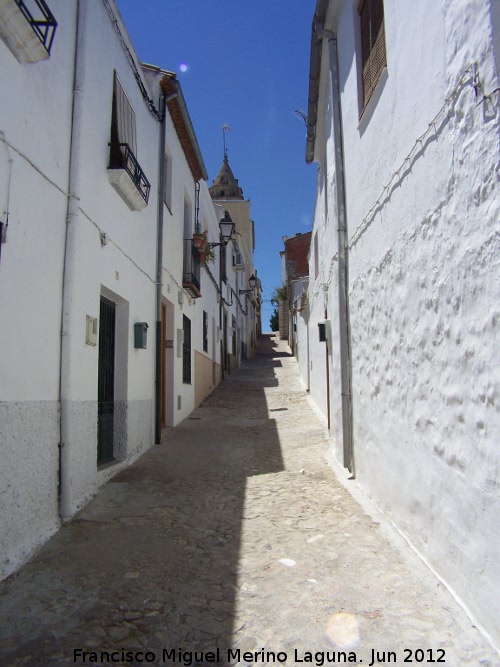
(242, 305)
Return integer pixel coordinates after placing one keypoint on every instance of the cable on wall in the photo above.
(5, 225)
(131, 60)
(471, 76)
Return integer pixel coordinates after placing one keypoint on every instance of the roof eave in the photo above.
(314, 76)
(183, 125)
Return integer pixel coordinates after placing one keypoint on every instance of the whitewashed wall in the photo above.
(209, 301)
(424, 288)
(36, 122)
(302, 336)
(123, 269)
(35, 117)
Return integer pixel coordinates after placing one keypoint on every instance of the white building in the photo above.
(403, 122)
(189, 317)
(111, 324)
(35, 132)
(242, 303)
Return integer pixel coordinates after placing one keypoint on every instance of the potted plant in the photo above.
(207, 255)
(200, 240)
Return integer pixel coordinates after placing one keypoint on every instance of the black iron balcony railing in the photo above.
(122, 157)
(44, 24)
(192, 269)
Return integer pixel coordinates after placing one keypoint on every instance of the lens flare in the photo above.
(183, 67)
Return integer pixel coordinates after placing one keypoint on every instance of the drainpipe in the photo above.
(159, 265)
(70, 253)
(221, 317)
(222, 342)
(345, 333)
(159, 256)
(319, 34)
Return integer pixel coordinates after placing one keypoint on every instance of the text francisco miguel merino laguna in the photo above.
(187, 658)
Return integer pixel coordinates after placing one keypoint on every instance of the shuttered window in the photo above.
(373, 53)
(122, 119)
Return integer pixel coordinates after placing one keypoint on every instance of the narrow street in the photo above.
(235, 535)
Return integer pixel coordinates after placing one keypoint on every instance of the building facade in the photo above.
(403, 271)
(115, 320)
(293, 309)
(242, 307)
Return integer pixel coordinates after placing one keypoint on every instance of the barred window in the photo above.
(373, 53)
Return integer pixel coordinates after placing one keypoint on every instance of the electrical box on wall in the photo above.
(140, 335)
(91, 330)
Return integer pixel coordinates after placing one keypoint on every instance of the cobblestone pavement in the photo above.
(233, 538)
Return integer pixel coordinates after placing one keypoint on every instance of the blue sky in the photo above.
(245, 64)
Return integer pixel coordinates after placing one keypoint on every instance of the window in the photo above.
(188, 219)
(191, 263)
(124, 171)
(122, 119)
(205, 331)
(186, 350)
(373, 53)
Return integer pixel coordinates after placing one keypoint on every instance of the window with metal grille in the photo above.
(373, 53)
(186, 350)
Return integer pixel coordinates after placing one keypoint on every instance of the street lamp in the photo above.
(226, 226)
(252, 282)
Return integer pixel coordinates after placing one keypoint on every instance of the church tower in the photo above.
(225, 185)
(245, 320)
(226, 191)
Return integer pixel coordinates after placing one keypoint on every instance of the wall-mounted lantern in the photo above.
(252, 281)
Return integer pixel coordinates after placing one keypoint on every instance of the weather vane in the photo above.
(225, 128)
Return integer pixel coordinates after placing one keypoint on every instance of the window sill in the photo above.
(126, 188)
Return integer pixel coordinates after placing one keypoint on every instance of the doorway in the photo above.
(106, 382)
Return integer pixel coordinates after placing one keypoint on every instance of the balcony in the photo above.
(191, 270)
(126, 176)
(28, 28)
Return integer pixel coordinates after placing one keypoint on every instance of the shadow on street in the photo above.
(152, 562)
